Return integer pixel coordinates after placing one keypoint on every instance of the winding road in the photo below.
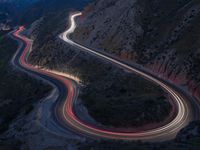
(63, 108)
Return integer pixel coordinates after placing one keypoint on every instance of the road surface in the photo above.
(186, 111)
(63, 108)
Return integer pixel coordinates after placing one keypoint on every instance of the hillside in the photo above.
(161, 35)
(49, 51)
(18, 92)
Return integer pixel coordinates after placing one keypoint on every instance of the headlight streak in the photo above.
(68, 118)
(182, 118)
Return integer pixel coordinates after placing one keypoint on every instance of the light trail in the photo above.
(168, 131)
(64, 112)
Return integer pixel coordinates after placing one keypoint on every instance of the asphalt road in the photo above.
(63, 109)
(187, 108)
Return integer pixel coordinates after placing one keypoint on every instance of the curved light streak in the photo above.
(169, 130)
(64, 111)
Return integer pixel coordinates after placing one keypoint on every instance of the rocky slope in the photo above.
(161, 35)
(155, 35)
(107, 90)
(18, 92)
(110, 25)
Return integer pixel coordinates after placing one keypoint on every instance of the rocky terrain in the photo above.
(18, 92)
(163, 36)
(106, 87)
(107, 90)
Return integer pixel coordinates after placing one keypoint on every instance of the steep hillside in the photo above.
(110, 25)
(163, 36)
(18, 92)
(49, 51)
(138, 30)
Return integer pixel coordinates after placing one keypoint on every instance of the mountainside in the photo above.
(49, 51)
(161, 35)
(164, 36)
